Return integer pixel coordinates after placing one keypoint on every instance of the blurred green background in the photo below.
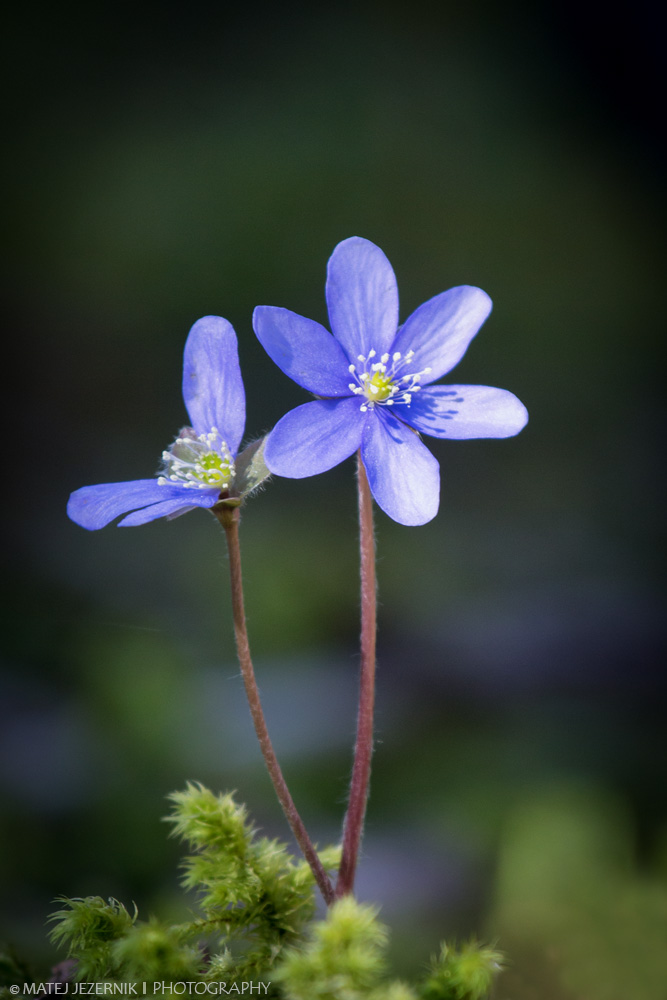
(167, 162)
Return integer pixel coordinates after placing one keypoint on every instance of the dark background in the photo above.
(165, 163)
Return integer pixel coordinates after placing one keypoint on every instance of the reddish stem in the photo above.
(229, 518)
(361, 770)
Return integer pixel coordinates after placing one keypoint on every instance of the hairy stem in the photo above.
(361, 770)
(229, 518)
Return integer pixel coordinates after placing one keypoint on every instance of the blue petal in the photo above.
(95, 506)
(403, 475)
(188, 500)
(303, 349)
(362, 297)
(314, 437)
(440, 330)
(212, 384)
(464, 411)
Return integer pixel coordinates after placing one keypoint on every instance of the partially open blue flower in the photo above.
(199, 465)
(373, 379)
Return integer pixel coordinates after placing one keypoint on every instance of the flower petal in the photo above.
(464, 411)
(314, 437)
(303, 349)
(403, 475)
(362, 297)
(440, 330)
(95, 506)
(188, 500)
(212, 384)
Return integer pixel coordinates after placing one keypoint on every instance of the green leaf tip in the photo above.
(89, 927)
(153, 951)
(344, 957)
(249, 885)
(84, 920)
(463, 973)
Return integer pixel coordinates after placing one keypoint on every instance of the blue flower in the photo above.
(373, 382)
(199, 466)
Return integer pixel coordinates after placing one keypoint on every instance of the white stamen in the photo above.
(200, 462)
(381, 382)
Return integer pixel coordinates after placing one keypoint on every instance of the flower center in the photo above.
(381, 384)
(198, 461)
(379, 387)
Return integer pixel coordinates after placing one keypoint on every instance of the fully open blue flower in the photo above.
(373, 379)
(199, 465)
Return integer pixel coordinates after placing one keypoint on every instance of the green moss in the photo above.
(464, 973)
(256, 905)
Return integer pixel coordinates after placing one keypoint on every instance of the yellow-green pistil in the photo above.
(378, 388)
